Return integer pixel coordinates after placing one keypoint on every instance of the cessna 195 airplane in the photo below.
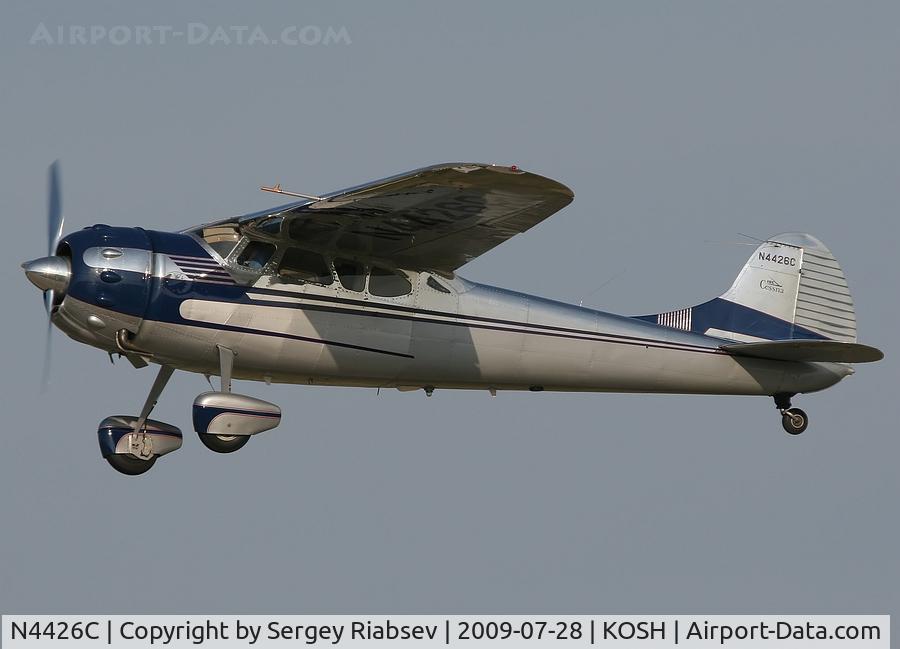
(359, 288)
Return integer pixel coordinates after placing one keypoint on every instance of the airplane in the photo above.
(359, 287)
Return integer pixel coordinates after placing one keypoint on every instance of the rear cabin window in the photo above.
(351, 274)
(388, 283)
(256, 254)
(305, 266)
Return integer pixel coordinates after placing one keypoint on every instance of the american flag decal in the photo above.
(202, 269)
(680, 319)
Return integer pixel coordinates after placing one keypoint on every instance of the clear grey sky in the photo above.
(678, 125)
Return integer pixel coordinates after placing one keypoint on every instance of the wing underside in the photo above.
(438, 217)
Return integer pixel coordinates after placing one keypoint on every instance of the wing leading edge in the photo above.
(437, 217)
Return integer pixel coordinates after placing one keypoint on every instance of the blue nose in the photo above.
(48, 273)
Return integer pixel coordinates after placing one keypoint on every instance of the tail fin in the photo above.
(791, 288)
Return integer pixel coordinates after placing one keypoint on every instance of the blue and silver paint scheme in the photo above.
(228, 414)
(177, 300)
(359, 287)
(117, 436)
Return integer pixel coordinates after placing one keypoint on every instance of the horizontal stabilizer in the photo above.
(812, 351)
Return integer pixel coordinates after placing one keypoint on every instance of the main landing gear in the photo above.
(225, 421)
(223, 443)
(132, 445)
(793, 420)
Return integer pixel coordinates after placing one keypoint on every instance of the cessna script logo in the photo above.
(771, 285)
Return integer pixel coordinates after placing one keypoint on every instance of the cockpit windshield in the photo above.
(221, 238)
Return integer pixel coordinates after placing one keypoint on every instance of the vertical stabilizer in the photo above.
(792, 287)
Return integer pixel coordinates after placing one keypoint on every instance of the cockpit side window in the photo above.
(388, 283)
(256, 254)
(305, 266)
(352, 274)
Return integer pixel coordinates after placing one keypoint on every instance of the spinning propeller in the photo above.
(50, 273)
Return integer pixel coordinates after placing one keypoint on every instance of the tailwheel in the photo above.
(224, 443)
(130, 464)
(794, 421)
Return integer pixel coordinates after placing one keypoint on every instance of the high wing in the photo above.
(438, 217)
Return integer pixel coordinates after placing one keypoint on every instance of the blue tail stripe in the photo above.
(728, 316)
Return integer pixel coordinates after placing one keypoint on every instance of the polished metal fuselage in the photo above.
(472, 337)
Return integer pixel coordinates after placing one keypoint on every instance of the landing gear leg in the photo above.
(142, 458)
(224, 443)
(226, 363)
(165, 373)
(793, 420)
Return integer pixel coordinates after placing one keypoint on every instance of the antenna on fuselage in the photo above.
(754, 241)
(752, 238)
(276, 189)
(607, 282)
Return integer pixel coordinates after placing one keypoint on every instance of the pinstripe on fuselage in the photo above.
(477, 337)
(184, 303)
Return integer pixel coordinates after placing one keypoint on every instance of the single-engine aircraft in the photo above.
(359, 287)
